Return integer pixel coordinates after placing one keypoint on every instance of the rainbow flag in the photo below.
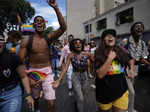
(36, 75)
(115, 68)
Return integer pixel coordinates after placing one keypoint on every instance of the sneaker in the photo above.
(58, 75)
(93, 86)
(91, 76)
(135, 110)
(70, 93)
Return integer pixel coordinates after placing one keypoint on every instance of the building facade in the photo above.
(120, 18)
(78, 11)
(102, 6)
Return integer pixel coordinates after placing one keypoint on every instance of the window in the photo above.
(88, 28)
(125, 16)
(101, 24)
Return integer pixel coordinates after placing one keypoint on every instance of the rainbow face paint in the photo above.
(28, 28)
(115, 68)
(36, 75)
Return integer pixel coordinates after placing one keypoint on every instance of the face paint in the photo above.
(39, 24)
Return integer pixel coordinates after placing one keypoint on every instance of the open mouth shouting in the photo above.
(109, 40)
(40, 28)
(39, 24)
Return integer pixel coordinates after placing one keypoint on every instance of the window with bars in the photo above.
(88, 28)
(125, 16)
(101, 24)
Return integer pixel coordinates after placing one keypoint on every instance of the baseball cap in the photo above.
(107, 32)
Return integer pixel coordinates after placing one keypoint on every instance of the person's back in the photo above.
(8, 63)
(12, 73)
(13, 48)
(13, 42)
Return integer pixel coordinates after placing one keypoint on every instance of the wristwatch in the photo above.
(26, 95)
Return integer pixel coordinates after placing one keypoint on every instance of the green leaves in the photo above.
(16, 11)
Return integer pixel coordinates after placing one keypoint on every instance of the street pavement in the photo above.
(142, 95)
(66, 103)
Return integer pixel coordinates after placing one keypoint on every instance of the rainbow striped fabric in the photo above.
(28, 28)
(115, 68)
(36, 75)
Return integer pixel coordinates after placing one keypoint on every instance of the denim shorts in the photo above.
(11, 100)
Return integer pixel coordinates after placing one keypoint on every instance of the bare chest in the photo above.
(39, 45)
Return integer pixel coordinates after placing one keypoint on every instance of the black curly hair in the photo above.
(37, 17)
(132, 27)
(72, 47)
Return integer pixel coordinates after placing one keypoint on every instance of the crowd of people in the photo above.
(28, 66)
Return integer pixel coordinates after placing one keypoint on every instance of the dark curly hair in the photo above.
(132, 27)
(37, 17)
(72, 47)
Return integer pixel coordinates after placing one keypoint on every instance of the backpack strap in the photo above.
(49, 42)
(29, 45)
(30, 42)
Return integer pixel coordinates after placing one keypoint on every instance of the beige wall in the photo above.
(103, 6)
(141, 13)
(78, 11)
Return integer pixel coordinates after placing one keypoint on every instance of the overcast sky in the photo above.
(43, 9)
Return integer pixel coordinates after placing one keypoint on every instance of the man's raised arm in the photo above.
(56, 34)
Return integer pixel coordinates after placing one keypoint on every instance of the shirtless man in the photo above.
(39, 53)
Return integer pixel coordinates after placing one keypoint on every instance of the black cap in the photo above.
(107, 32)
